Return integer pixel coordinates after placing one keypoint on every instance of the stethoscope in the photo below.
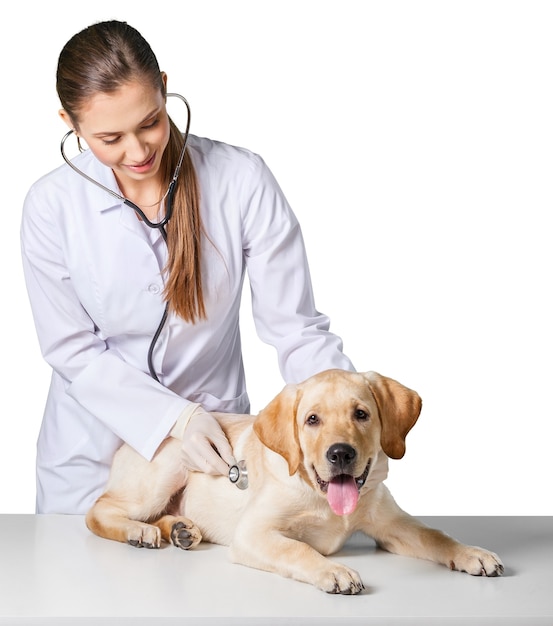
(238, 473)
(167, 197)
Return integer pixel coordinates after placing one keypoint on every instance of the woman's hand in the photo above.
(205, 447)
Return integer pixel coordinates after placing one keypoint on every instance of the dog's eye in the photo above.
(361, 415)
(312, 420)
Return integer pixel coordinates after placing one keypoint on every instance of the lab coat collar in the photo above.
(101, 200)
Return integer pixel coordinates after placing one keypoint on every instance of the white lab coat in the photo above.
(93, 274)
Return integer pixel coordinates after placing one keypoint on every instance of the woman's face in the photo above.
(127, 130)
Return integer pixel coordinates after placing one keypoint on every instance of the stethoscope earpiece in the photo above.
(238, 475)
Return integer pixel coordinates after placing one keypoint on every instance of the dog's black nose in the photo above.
(341, 454)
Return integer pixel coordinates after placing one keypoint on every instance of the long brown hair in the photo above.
(100, 59)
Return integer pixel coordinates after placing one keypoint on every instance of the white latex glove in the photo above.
(205, 447)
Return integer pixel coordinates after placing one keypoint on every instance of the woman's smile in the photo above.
(145, 166)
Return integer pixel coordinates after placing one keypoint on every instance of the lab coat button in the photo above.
(154, 288)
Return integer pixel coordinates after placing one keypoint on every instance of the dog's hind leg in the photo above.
(179, 531)
(139, 493)
(108, 519)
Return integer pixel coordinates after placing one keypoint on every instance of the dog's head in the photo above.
(333, 425)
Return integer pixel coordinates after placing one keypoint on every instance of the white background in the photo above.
(414, 140)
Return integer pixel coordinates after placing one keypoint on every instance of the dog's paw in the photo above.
(185, 535)
(142, 535)
(477, 562)
(340, 579)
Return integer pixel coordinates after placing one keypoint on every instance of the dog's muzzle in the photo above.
(342, 490)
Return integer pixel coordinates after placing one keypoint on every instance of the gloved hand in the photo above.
(205, 447)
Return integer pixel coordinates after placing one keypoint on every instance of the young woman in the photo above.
(100, 278)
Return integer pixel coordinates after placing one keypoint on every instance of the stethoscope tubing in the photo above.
(168, 197)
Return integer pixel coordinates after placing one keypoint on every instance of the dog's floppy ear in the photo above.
(399, 409)
(276, 428)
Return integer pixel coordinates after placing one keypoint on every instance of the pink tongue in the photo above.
(342, 494)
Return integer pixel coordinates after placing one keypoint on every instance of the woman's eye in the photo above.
(114, 140)
(151, 125)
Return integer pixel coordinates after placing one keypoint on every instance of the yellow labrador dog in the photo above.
(316, 457)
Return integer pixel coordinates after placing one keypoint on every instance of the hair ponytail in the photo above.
(183, 285)
(101, 59)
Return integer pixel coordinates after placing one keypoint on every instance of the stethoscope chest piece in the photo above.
(238, 475)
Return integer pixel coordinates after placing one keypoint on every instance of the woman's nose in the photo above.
(136, 151)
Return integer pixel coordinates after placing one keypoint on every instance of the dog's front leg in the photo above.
(399, 532)
(266, 548)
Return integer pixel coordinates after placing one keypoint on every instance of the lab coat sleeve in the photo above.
(139, 410)
(282, 296)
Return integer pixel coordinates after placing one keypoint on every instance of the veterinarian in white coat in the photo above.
(95, 278)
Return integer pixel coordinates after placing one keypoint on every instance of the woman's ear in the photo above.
(67, 119)
(164, 81)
